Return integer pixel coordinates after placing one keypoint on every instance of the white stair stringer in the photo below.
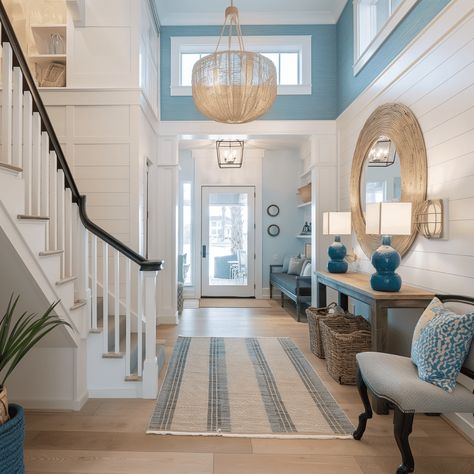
(37, 270)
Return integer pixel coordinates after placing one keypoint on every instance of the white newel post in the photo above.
(163, 241)
(150, 365)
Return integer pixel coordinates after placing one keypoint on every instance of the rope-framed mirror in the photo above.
(395, 127)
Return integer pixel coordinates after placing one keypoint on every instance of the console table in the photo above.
(357, 286)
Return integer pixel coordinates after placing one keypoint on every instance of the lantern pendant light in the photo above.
(234, 85)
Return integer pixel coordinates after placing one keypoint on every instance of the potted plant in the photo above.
(17, 337)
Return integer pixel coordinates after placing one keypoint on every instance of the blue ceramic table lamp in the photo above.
(337, 223)
(387, 219)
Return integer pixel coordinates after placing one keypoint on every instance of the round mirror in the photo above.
(389, 165)
(273, 230)
(273, 210)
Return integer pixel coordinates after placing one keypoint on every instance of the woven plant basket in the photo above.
(315, 315)
(4, 416)
(343, 338)
(12, 435)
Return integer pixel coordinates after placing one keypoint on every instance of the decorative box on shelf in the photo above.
(305, 193)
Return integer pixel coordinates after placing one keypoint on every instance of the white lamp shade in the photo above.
(337, 223)
(388, 218)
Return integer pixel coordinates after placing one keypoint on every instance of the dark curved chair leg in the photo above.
(363, 417)
(402, 426)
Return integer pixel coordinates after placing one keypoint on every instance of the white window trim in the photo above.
(362, 57)
(207, 44)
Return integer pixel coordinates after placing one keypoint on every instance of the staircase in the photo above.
(70, 258)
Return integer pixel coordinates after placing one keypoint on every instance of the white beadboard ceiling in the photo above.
(252, 12)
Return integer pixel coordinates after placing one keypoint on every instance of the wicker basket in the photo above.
(315, 315)
(344, 337)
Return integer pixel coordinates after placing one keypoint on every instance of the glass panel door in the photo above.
(227, 253)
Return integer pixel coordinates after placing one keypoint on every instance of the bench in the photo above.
(295, 287)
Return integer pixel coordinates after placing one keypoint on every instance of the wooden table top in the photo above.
(361, 283)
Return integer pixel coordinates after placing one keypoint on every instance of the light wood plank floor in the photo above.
(108, 436)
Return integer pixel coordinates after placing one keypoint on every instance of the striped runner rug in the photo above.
(248, 387)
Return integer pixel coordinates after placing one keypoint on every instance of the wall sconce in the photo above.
(382, 153)
(230, 153)
(430, 219)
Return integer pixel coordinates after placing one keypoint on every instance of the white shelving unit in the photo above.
(303, 236)
(47, 38)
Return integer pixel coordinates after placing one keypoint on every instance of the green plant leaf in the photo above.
(28, 330)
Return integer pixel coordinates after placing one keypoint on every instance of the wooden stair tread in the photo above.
(78, 304)
(24, 217)
(113, 355)
(66, 280)
(13, 168)
(49, 253)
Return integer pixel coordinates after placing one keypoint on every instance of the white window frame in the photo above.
(364, 14)
(267, 44)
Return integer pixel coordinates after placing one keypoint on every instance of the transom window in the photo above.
(374, 20)
(290, 54)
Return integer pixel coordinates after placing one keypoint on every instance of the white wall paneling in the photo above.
(434, 77)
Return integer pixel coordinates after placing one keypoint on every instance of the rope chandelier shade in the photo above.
(234, 86)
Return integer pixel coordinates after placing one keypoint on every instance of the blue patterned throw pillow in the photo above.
(442, 346)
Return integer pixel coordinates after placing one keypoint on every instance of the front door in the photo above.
(228, 245)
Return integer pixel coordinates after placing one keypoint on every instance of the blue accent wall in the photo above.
(321, 105)
(334, 87)
(350, 86)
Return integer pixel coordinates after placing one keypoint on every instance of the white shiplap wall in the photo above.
(434, 76)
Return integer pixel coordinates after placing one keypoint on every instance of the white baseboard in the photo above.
(52, 405)
(168, 319)
(461, 425)
(131, 392)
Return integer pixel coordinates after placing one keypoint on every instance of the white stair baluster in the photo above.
(128, 335)
(44, 184)
(94, 281)
(27, 147)
(17, 124)
(36, 166)
(7, 81)
(105, 292)
(60, 218)
(68, 246)
(140, 323)
(53, 202)
(117, 300)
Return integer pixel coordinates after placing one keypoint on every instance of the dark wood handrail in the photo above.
(19, 60)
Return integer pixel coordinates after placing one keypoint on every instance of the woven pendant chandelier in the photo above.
(234, 86)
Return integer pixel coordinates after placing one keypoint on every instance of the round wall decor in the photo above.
(397, 123)
(273, 230)
(273, 210)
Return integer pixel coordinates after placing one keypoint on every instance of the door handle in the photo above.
(204, 251)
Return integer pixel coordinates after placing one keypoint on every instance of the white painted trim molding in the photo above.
(277, 44)
(362, 57)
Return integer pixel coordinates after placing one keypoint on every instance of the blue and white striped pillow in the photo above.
(442, 346)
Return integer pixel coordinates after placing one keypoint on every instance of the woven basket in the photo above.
(4, 416)
(12, 435)
(344, 337)
(315, 315)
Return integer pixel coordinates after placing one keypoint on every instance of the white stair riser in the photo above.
(51, 266)
(12, 192)
(66, 293)
(34, 232)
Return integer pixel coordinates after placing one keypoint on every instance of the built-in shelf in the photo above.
(304, 174)
(55, 27)
(303, 236)
(304, 204)
(48, 58)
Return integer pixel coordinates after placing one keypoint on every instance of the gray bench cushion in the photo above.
(396, 379)
(288, 282)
